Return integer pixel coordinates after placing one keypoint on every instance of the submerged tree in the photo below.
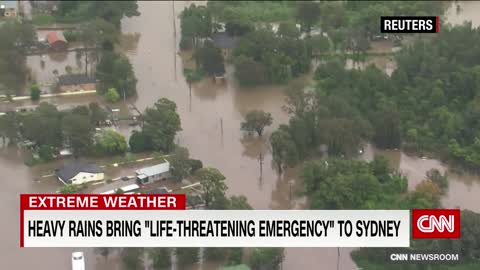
(211, 59)
(284, 150)
(214, 187)
(161, 124)
(180, 166)
(256, 120)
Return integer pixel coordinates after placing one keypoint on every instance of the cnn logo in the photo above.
(436, 223)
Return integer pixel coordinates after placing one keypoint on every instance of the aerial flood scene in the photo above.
(240, 105)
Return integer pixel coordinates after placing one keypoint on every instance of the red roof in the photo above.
(53, 37)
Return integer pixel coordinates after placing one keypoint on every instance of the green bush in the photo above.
(111, 142)
(112, 95)
(139, 142)
(68, 189)
(46, 152)
(35, 92)
(195, 164)
(71, 36)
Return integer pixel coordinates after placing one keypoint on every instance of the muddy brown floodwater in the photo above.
(210, 106)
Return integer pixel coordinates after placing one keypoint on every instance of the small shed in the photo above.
(153, 173)
(57, 41)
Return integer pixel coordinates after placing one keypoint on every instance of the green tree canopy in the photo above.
(112, 95)
(111, 142)
(284, 150)
(97, 114)
(256, 120)
(115, 71)
(43, 126)
(353, 184)
(162, 124)
(78, 133)
(211, 59)
(111, 11)
(140, 142)
(213, 185)
(179, 163)
(308, 13)
(9, 127)
(15, 38)
(35, 92)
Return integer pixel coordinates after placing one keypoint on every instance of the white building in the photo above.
(153, 173)
(79, 173)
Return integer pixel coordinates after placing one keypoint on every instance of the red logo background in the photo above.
(417, 213)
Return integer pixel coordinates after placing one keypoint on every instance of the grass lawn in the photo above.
(43, 19)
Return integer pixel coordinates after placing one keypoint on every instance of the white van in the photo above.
(78, 261)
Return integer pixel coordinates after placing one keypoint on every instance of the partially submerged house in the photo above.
(79, 172)
(76, 82)
(8, 8)
(225, 42)
(153, 173)
(56, 41)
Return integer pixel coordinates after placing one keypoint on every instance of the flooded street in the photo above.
(203, 114)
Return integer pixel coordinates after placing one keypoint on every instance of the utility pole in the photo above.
(260, 160)
(338, 258)
(290, 183)
(221, 126)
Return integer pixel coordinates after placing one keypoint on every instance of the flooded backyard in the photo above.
(211, 118)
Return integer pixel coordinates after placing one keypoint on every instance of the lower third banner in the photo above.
(161, 227)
